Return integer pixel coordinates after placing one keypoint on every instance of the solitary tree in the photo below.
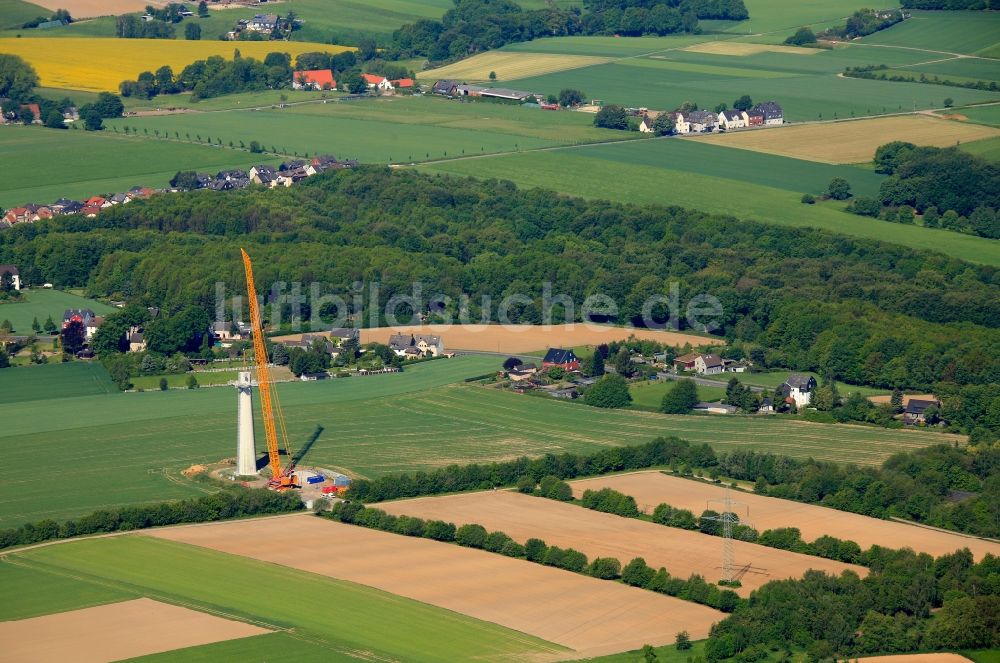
(612, 117)
(73, 337)
(493, 75)
(49, 326)
(610, 391)
(594, 366)
(683, 641)
(192, 32)
(680, 399)
(163, 384)
(35, 327)
(202, 9)
(839, 189)
(54, 120)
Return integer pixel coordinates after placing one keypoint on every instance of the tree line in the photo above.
(223, 505)
(859, 311)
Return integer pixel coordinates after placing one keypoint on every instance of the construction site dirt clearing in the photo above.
(529, 338)
(852, 141)
(652, 488)
(114, 632)
(590, 616)
(681, 552)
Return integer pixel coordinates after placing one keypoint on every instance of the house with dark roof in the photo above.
(445, 86)
(701, 121)
(565, 359)
(85, 317)
(797, 389)
(346, 334)
(709, 364)
(773, 115)
(413, 346)
(915, 413)
(753, 118)
(731, 119)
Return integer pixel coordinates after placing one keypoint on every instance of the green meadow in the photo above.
(118, 449)
(330, 619)
(382, 130)
(989, 115)
(969, 33)
(670, 172)
(52, 381)
(649, 395)
(40, 303)
(79, 164)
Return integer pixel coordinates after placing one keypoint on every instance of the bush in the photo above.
(526, 484)
(409, 526)
(439, 530)
(681, 398)
(553, 557)
(574, 560)
(496, 541)
(839, 189)
(808, 199)
(611, 391)
(535, 549)
(555, 489)
(637, 573)
(512, 549)
(471, 536)
(605, 568)
(608, 500)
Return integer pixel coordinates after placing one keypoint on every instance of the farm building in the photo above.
(445, 87)
(376, 82)
(565, 359)
(506, 93)
(798, 389)
(314, 79)
(416, 345)
(915, 413)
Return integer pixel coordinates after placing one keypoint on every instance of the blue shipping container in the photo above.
(314, 480)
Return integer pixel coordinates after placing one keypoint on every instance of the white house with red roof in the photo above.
(374, 81)
(314, 79)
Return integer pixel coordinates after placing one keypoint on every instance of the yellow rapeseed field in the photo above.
(509, 66)
(99, 64)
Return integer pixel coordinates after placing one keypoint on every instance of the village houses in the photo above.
(412, 346)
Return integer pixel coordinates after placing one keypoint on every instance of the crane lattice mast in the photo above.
(280, 477)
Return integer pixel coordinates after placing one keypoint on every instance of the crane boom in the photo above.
(279, 475)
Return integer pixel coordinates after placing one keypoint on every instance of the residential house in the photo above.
(35, 110)
(85, 317)
(71, 114)
(66, 206)
(731, 119)
(136, 340)
(646, 125)
(15, 275)
(681, 124)
(18, 215)
(416, 345)
(773, 115)
(766, 406)
(314, 79)
(39, 212)
(90, 211)
(374, 81)
(264, 175)
(797, 389)
(710, 364)
(120, 199)
(685, 362)
(232, 175)
(522, 372)
(226, 331)
(262, 23)
(753, 118)
(345, 334)
(565, 359)
(97, 201)
(701, 121)
(734, 366)
(140, 192)
(915, 413)
(445, 87)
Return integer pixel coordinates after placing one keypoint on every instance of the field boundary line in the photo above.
(904, 521)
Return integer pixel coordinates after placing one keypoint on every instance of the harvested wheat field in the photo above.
(98, 64)
(509, 66)
(652, 488)
(887, 398)
(89, 8)
(114, 632)
(528, 338)
(915, 658)
(598, 534)
(590, 616)
(740, 48)
(852, 141)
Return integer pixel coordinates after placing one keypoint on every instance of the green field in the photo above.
(40, 303)
(966, 32)
(179, 381)
(331, 619)
(121, 449)
(989, 115)
(39, 593)
(666, 654)
(776, 378)
(648, 395)
(613, 47)
(53, 381)
(644, 173)
(398, 129)
(81, 164)
(987, 149)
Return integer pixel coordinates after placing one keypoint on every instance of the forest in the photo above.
(473, 26)
(859, 311)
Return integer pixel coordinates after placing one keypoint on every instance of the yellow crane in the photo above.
(282, 478)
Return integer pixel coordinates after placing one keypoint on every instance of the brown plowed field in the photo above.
(114, 632)
(915, 658)
(590, 616)
(597, 534)
(652, 488)
(528, 338)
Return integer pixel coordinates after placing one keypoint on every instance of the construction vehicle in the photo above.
(282, 478)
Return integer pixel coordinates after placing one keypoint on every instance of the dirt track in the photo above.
(652, 488)
(597, 534)
(114, 632)
(590, 616)
(528, 338)
(86, 8)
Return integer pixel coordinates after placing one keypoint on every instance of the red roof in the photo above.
(372, 79)
(34, 109)
(318, 77)
(403, 82)
(95, 200)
